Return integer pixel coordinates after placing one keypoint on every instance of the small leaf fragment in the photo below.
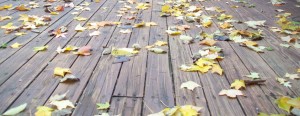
(189, 85)
(103, 106)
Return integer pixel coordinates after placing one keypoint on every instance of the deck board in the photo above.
(149, 82)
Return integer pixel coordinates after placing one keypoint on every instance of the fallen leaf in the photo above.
(189, 85)
(217, 69)
(85, 51)
(173, 33)
(160, 43)
(95, 33)
(253, 75)
(62, 112)
(16, 45)
(285, 45)
(61, 71)
(237, 84)
(282, 103)
(58, 97)
(232, 93)
(254, 24)
(186, 39)
(209, 42)
(292, 76)
(123, 52)
(80, 18)
(125, 31)
(22, 7)
(101, 106)
(69, 77)
(43, 111)
(62, 104)
(15, 110)
(41, 48)
(157, 50)
(288, 39)
(79, 28)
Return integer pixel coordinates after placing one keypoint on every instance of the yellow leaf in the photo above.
(20, 33)
(282, 103)
(225, 25)
(204, 62)
(216, 68)
(237, 84)
(61, 71)
(123, 52)
(2, 18)
(165, 9)
(9, 26)
(209, 42)
(41, 48)
(79, 28)
(54, 13)
(80, 18)
(22, 7)
(298, 70)
(206, 23)
(16, 45)
(232, 93)
(160, 43)
(43, 111)
(142, 24)
(63, 104)
(188, 110)
(148, 24)
(250, 43)
(170, 32)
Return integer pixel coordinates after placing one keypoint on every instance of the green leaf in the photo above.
(41, 48)
(3, 45)
(15, 110)
(282, 103)
(103, 106)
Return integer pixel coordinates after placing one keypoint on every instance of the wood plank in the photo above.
(47, 75)
(159, 86)
(125, 106)
(131, 79)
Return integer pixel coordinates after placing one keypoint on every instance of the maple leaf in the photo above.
(63, 104)
(79, 28)
(237, 84)
(232, 93)
(225, 25)
(209, 42)
(254, 24)
(59, 8)
(40, 48)
(22, 7)
(189, 85)
(85, 51)
(43, 111)
(165, 9)
(61, 71)
(217, 69)
(282, 103)
(103, 106)
(295, 102)
(224, 16)
(186, 110)
(16, 45)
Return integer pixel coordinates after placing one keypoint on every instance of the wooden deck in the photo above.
(149, 82)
